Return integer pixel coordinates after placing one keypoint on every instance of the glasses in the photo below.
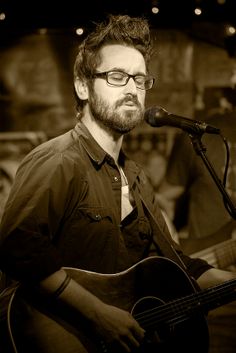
(120, 78)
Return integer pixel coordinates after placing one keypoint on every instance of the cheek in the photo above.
(105, 92)
(110, 95)
(141, 97)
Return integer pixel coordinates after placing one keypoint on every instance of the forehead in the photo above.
(122, 57)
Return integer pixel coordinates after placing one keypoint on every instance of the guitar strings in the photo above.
(173, 313)
(164, 310)
(186, 300)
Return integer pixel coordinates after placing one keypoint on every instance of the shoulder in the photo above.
(58, 155)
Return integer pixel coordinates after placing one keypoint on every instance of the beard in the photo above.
(112, 117)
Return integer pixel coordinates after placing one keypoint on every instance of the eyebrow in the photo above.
(122, 70)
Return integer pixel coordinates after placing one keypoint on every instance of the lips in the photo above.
(130, 104)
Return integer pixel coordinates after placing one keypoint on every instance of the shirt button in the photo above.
(115, 178)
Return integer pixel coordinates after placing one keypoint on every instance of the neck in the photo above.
(110, 141)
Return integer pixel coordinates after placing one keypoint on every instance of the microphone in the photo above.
(158, 116)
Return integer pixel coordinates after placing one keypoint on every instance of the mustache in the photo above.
(129, 98)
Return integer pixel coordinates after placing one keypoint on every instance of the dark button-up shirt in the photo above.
(64, 209)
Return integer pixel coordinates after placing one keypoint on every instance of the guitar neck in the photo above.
(181, 309)
(214, 297)
(221, 255)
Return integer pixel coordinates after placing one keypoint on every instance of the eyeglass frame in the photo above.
(128, 76)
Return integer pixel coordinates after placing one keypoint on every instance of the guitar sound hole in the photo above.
(157, 334)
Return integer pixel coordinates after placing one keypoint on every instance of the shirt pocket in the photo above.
(94, 214)
(91, 237)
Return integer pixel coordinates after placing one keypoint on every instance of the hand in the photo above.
(118, 327)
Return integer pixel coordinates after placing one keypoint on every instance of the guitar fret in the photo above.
(221, 255)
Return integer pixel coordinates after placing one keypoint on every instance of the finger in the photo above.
(125, 346)
(133, 341)
(138, 333)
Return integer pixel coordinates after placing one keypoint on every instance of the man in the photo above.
(78, 201)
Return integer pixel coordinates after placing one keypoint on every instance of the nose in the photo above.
(131, 86)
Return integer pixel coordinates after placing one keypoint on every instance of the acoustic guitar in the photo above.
(157, 292)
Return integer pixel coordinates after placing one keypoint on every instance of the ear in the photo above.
(81, 89)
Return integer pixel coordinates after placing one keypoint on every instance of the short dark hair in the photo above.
(120, 29)
(117, 29)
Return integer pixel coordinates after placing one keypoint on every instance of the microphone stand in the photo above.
(200, 150)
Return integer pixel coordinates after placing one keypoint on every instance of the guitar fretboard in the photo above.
(222, 255)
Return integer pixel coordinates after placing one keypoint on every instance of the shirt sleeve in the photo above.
(195, 267)
(36, 205)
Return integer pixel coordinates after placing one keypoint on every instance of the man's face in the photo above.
(120, 108)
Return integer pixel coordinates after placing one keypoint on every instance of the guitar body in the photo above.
(145, 290)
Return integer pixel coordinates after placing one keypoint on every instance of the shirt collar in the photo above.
(98, 155)
(94, 150)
